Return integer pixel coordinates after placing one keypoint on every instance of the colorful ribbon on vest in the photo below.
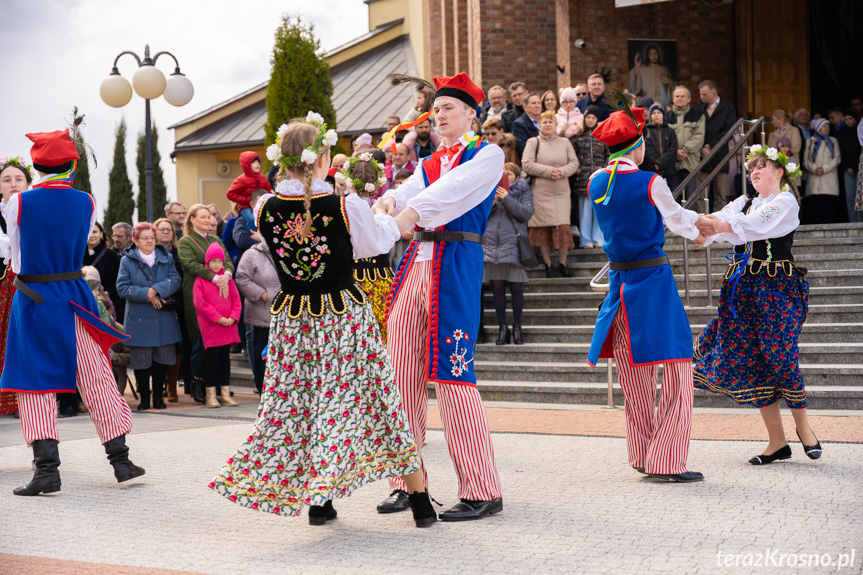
(403, 126)
(472, 142)
(65, 178)
(616, 157)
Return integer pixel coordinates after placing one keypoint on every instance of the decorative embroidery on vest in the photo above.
(460, 366)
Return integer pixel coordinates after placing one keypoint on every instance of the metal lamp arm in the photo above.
(176, 63)
(117, 59)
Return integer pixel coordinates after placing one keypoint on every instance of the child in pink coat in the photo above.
(218, 314)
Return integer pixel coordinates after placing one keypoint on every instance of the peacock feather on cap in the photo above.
(80, 146)
(418, 83)
(617, 100)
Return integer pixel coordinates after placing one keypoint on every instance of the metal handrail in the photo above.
(595, 284)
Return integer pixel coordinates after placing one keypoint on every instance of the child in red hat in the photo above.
(244, 185)
(642, 322)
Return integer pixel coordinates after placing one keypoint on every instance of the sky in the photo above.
(54, 54)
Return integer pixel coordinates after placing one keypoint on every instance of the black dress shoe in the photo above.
(424, 513)
(516, 335)
(812, 451)
(564, 270)
(46, 460)
(503, 337)
(64, 412)
(466, 510)
(639, 469)
(685, 477)
(320, 514)
(549, 272)
(781, 453)
(397, 501)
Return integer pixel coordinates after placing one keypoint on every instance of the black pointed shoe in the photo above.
(516, 335)
(685, 477)
(812, 451)
(779, 454)
(467, 510)
(424, 513)
(320, 514)
(397, 501)
(118, 456)
(46, 460)
(503, 337)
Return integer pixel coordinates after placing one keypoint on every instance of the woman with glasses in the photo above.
(147, 280)
(570, 120)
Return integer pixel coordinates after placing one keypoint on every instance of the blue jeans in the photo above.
(850, 195)
(250, 219)
(588, 227)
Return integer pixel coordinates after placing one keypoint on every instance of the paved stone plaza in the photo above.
(571, 504)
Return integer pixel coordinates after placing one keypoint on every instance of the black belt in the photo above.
(21, 281)
(638, 264)
(432, 236)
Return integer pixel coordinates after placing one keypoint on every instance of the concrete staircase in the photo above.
(560, 313)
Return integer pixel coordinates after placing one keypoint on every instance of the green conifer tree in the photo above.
(160, 191)
(299, 78)
(121, 202)
(82, 172)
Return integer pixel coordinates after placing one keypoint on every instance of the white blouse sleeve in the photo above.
(11, 216)
(677, 219)
(459, 190)
(407, 190)
(773, 218)
(728, 212)
(371, 234)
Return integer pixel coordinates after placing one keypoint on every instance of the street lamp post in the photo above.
(149, 83)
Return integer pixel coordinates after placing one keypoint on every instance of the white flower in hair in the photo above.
(3, 160)
(382, 180)
(349, 182)
(370, 187)
(346, 166)
(314, 117)
(791, 166)
(273, 152)
(773, 154)
(366, 157)
(756, 148)
(332, 138)
(280, 133)
(308, 156)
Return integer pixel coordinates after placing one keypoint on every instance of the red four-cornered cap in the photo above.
(459, 86)
(619, 128)
(52, 148)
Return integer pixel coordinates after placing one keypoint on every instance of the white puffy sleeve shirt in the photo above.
(771, 217)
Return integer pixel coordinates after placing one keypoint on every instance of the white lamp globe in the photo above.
(115, 91)
(179, 90)
(149, 82)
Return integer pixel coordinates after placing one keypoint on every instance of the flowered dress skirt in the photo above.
(753, 357)
(8, 401)
(330, 418)
(375, 279)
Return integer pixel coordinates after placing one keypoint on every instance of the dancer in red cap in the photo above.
(642, 322)
(57, 341)
(433, 318)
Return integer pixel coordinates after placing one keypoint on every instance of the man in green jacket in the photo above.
(688, 123)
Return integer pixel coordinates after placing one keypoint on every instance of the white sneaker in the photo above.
(573, 230)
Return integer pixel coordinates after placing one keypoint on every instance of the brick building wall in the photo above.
(519, 40)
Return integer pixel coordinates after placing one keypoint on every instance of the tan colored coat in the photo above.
(551, 198)
(828, 184)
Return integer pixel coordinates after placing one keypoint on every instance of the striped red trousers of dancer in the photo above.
(108, 410)
(657, 439)
(462, 413)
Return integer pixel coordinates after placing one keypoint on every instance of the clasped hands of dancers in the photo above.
(343, 406)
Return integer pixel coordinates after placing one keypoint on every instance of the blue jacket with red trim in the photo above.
(41, 351)
(657, 327)
(455, 289)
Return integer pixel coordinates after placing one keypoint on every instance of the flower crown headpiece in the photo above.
(356, 183)
(19, 162)
(792, 170)
(326, 138)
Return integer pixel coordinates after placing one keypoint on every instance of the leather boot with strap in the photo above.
(118, 457)
(46, 460)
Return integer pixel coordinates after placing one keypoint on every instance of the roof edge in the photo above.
(367, 36)
(219, 106)
(213, 147)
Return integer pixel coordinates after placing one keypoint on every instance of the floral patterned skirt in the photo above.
(554, 237)
(377, 291)
(753, 358)
(8, 401)
(330, 418)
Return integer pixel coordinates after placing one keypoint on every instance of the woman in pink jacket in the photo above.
(570, 120)
(218, 311)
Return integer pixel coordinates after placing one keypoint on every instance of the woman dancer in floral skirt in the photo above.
(750, 351)
(330, 418)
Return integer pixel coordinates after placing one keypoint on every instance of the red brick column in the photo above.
(474, 42)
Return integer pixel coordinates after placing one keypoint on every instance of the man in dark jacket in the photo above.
(497, 105)
(849, 146)
(596, 97)
(720, 116)
(660, 146)
(527, 126)
(517, 92)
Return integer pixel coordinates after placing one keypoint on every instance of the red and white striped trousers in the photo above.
(462, 413)
(656, 439)
(108, 410)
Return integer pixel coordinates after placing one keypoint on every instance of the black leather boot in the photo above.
(516, 335)
(503, 337)
(46, 460)
(320, 514)
(144, 392)
(118, 456)
(198, 390)
(564, 270)
(424, 513)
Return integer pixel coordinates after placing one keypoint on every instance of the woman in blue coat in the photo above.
(147, 281)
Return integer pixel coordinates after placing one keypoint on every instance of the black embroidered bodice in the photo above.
(315, 274)
(779, 248)
(373, 269)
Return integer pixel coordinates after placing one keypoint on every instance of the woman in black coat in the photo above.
(508, 219)
(107, 262)
(660, 146)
